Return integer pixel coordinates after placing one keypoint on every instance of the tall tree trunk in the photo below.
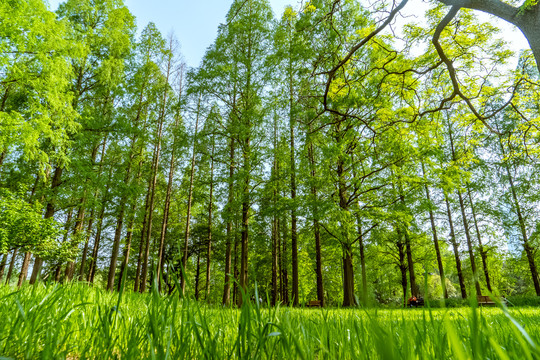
(120, 222)
(148, 235)
(79, 222)
(95, 250)
(415, 291)
(348, 276)
(455, 246)
(227, 282)
(529, 250)
(87, 242)
(435, 237)
(402, 266)
(155, 166)
(190, 198)
(49, 213)
(294, 236)
(281, 291)
(141, 243)
(197, 276)
(235, 265)
(3, 155)
(210, 220)
(284, 264)
(127, 247)
(67, 224)
(275, 230)
(92, 213)
(24, 269)
(362, 262)
(92, 266)
(346, 248)
(483, 253)
(11, 266)
(316, 225)
(469, 245)
(465, 222)
(3, 265)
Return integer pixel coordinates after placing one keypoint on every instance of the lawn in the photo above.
(78, 322)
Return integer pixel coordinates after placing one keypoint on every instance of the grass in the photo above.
(80, 322)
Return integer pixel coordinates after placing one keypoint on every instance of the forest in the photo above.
(326, 153)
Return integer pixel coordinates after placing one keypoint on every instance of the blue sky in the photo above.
(195, 22)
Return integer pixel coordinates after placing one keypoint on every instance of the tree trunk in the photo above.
(402, 267)
(465, 222)
(120, 223)
(348, 277)
(227, 282)
(197, 277)
(11, 266)
(316, 226)
(87, 242)
(284, 271)
(348, 273)
(67, 224)
(190, 198)
(3, 266)
(24, 269)
(141, 243)
(127, 248)
(210, 212)
(155, 169)
(294, 236)
(362, 263)
(415, 291)
(455, 246)
(469, 245)
(93, 263)
(435, 237)
(529, 251)
(483, 253)
(236, 272)
(49, 213)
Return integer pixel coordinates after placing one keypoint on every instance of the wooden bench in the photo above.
(314, 303)
(484, 300)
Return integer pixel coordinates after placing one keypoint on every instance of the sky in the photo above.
(195, 22)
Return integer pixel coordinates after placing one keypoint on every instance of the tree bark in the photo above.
(190, 198)
(483, 253)
(24, 269)
(455, 246)
(197, 276)
(294, 236)
(362, 262)
(141, 243)
(210, 220)
(529, 251)
(95, 250)
(87, 242)
(316, 225)
(348, 273)
(526, 21)
(227, 283)
(3, 266)
(11, 266)
(127, 248)
(284, 270)
(402, 266)
(465, 222)
(49, 213)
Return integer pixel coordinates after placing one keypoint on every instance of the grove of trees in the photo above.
(317, 155)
